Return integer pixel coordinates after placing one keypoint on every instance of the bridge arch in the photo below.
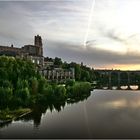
(118, 78)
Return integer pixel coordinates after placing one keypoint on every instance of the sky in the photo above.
(99, 33)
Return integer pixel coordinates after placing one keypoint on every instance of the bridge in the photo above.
(117, 78)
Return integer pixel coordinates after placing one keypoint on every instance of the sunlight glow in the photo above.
(116, 104)
(123, 103)
(117, 47)
(122, 67)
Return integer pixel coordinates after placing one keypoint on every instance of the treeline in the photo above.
(21, 85)
(17, 81)
(82, 72)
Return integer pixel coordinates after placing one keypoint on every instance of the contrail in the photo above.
(89, 22)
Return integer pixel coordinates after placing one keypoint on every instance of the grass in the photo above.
(6, 115)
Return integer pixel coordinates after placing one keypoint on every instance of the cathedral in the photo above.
(31, 52)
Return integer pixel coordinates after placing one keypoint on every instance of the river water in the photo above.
(105, 114)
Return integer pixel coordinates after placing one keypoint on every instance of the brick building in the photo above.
(35, 54)
(32, 52)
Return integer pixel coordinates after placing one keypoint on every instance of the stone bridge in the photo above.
(118, 78)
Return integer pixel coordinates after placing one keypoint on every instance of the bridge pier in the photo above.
(138, 87)
(128, 87)
(119, 80)
(118, 88)
(109, 86)
(128, 81)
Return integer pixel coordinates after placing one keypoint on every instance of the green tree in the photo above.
(57, 61)
(70, 82)
(60, 93)
(34, 86)
(5, 96)
(85, 75)
(77, 72)
(21, 97)
(42, 83)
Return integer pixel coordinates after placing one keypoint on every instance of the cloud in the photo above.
(52, 19)
(113, 38)
(90, 56)
(14, 23)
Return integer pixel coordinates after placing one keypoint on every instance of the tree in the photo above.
(42, 83)
(5, 96)
(60, 93)
(57, 61)
(77, 72)
(65, 65)
(34, 86)
(85, 75)
(70, 82)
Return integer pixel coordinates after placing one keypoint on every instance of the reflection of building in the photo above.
(32, 52)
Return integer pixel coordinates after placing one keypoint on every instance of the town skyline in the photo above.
(112, 42)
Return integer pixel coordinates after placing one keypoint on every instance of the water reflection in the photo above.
(106, 114)
(124, 87)
(123, 103)
(134, 87)
(116, 114)
(116, 104)
(40, 109)
(131, 87)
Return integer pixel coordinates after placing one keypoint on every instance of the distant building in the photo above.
(35, 54)
(32, 52)
(10, 51)
(58, 74)
(48, 62)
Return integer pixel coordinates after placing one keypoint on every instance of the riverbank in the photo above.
(10, 115)
(72, 92)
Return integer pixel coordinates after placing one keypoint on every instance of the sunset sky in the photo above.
(113, 40)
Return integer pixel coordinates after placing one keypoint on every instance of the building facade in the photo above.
(58, 74)
(31, 52)
(35, 54)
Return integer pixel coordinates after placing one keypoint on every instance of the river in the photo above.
(105, 114)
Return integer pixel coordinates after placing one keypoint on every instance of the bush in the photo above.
(34, 86)
(85, 87)
(42, 83)
(79, 90)
(22, 96)
(70, 82)
(5, 83)
(5, 96)
(60, 93)
(49, 93)
(22, 84)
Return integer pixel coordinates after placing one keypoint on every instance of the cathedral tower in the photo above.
(38, 43)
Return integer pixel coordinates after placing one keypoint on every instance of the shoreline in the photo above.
(15, 117)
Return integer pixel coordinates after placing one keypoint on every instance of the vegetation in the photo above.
(7, 114)
(21, 86)
(82, 73)
(58, 61)
(78, 90)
